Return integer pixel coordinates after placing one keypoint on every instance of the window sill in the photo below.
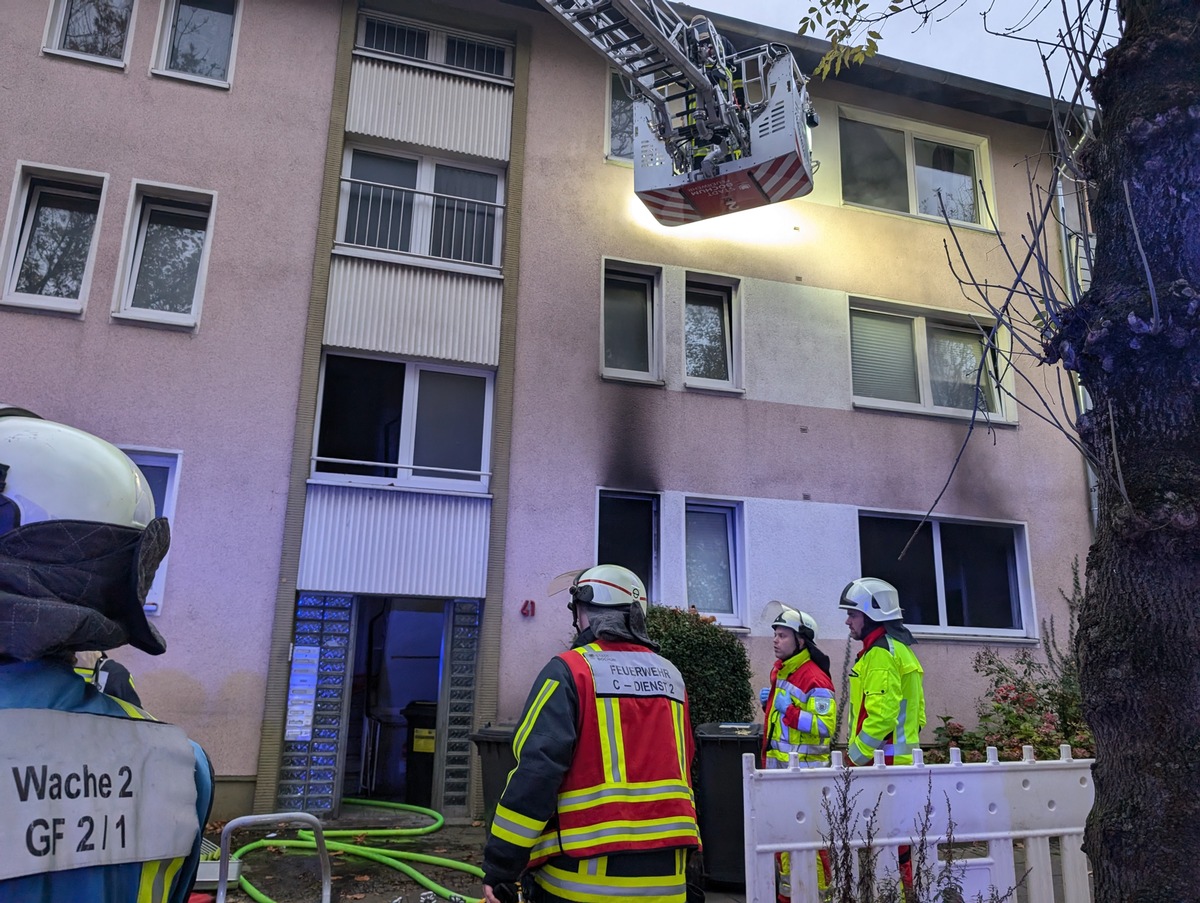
(176, 322)
(974, 638)
(85, 58)
(623, 162)
(71, 306)
(401, 258)
(714, 388)
(194, 79)
(899, 407)
(921, 218)
(634, 380)
(315, 480)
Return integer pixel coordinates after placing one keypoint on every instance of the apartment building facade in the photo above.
(463, 359)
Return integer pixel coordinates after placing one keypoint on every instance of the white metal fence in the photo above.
(1011, 808)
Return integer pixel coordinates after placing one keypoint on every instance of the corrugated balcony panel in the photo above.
(429, 108)
(413, 311)
(359, 540)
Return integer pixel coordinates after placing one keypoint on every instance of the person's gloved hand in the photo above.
(782, 703)
(763, 695)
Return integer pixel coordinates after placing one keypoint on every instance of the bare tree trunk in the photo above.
(1139, 630)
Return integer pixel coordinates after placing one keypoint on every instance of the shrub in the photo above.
(1028, 702)
(712, 660)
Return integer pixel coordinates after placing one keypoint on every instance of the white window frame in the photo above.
(404, 468)
(167, 13)
(437, 39)
(734, 512)
(143, 198)
(56, 24)
(653, 277)
(17, 227)
(978, 145)
(1021, 577)
(422, 216)
(656, 512)
(1002, 384)
(730, 290)
(172, 460)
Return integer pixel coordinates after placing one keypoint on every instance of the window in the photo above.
(91, 28)
(410, 40)
(198, 39)
(161, 470)
(627, 534)
(52, 239)
(620, 119)
(913, 362)
(631, 320)
(712, 570)
(404, 424)
(420, 206)
(899, 169)
(955, 577)
(710, 336)
(168, 247)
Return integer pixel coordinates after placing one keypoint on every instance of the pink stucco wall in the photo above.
(795, 437)
(225, 394)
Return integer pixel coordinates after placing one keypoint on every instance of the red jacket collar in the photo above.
(870, 639)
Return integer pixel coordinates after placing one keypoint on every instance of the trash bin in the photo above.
(719, 807)
(494, 744)
(422, 752)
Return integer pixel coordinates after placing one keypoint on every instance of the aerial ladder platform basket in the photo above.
(715, 131)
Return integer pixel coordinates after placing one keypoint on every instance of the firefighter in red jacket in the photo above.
(600, 805)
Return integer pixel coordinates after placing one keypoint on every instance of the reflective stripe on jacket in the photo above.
(597, 772)
(629, 786)
(808, 726)
(887, 701)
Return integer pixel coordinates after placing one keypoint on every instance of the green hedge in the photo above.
(713, 662)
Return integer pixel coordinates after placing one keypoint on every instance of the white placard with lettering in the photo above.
(82, 790)
(302, 693)
(634, 674)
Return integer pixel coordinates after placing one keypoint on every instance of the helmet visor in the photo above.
(10, 514)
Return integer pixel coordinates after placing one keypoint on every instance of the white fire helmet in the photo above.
(51, 471)
(875, 598)
(609, 585)
(796, 620)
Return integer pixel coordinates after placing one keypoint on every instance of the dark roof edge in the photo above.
(895, 76)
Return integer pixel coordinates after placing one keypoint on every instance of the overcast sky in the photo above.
(956, 43)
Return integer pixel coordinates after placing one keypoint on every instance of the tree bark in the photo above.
(1139, 628)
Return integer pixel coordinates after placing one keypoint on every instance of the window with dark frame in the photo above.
(978, 589)
(627, 533)
(402, 422)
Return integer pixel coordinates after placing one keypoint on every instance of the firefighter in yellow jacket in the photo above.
(887, 693)
(600, 805)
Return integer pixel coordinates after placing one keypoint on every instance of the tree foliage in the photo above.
(712, 660)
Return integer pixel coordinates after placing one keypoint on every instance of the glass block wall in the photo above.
(460, 692)
(317, 693)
